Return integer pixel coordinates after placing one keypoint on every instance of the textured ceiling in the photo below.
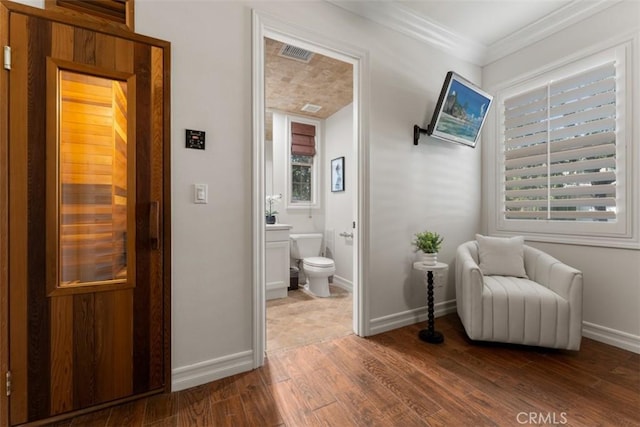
(290, 84)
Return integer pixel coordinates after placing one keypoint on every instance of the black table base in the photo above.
(430, 335)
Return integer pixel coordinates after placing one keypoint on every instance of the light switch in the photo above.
(200, 193)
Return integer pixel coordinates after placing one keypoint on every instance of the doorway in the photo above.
(269, 28)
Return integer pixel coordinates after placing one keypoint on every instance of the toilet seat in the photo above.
(318, 261)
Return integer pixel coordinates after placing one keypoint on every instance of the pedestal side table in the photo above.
(430, 335)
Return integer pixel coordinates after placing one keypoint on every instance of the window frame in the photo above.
(315, 173)
(621, 233)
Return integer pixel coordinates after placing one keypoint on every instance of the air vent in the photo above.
(292, 52)
(311, 108)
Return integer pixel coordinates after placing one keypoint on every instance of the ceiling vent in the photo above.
(311, 108)
(293, 52)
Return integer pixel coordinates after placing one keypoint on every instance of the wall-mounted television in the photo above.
(460, 112)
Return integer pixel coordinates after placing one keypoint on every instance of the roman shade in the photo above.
(303, 139)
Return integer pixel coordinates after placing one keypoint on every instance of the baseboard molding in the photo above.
(409, 317)
(211, 370)
(612, 337)
(342, 283)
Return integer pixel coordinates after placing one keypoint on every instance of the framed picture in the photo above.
(337, 174)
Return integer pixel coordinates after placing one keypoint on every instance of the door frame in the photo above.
(265, 25)
(101, 26)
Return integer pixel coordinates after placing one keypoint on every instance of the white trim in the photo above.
(211, 370)
(342, 283)
(492, 156)
(564, 17)
(409, 317)
(265, 25)
(612, 337)
(403, 20)
(258, 229)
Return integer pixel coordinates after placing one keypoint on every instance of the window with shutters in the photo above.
(563, 139)
(303, 161)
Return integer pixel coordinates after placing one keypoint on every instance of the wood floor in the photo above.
(393, 379)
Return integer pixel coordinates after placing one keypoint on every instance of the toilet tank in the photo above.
(305, 245)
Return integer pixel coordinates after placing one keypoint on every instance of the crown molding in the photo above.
(399, 18)
(564, 17)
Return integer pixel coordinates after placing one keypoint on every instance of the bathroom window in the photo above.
(301, 173)
(303, 163)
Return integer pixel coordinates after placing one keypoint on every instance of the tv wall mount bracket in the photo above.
(417, 130)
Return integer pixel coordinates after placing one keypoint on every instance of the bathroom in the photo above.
(311, 171)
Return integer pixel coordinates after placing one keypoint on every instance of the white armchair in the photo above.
(544, 309)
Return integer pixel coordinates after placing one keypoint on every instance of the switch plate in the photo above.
(200, 193)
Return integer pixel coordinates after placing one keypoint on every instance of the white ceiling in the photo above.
(484, 21)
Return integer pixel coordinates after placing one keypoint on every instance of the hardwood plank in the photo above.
(334, 415)
(292, 406)
(84, 47)
(260, 407)
(39, 351)
(62, 41)
(161, 407)
(223, 389)
(229, 413)
(194, 407)
(315, 393)
(84, 380)
(61, 354)
(129, 414)
(4, 217)
(105, 51)
(18, 201)
(93, 419)
(382, 380)
(156, 297)
(141, 144)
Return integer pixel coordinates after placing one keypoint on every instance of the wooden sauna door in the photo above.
(87, 296)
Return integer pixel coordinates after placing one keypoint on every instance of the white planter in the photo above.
(429, 259)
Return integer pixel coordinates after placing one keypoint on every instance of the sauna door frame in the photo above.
(6, 8)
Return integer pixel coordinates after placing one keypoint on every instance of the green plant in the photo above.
(271, 200)
(428, 242)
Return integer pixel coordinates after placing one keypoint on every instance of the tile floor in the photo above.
(302, 318)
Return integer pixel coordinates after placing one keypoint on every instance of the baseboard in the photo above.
(342, 283)
(409, 317)
(211, 370)
(612, 337)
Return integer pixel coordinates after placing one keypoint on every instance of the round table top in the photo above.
(420, 265)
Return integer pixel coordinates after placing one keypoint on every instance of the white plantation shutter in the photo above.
(560, 149)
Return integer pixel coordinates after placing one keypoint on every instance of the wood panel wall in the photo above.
(93, 165)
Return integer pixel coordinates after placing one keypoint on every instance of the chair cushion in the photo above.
(522, 311)
(501, 256)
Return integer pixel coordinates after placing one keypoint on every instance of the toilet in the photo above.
(317, 269)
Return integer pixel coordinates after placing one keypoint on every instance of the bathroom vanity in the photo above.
(277, 254)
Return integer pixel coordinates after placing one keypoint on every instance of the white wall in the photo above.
(434, 185)
(611, 276)
(338, 142)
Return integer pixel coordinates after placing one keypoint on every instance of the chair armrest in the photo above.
(559, 277)
(469, 286)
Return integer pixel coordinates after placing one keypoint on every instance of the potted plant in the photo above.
(270, 212)
(429, 242)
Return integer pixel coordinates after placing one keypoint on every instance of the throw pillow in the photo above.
(501, 256)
